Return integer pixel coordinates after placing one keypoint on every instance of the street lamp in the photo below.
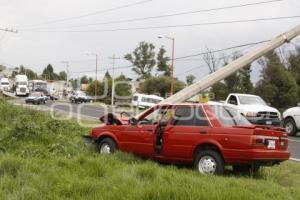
(172, 65)
(96, 55)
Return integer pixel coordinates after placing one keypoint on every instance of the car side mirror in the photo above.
(133, 121)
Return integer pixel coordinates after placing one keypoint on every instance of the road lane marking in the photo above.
(294, 140)
(295, 159)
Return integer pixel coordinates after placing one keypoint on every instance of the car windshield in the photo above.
(79, 93)
(251, 100)
(40, 85)
(21, 83)
(229, 116)
(3, 83)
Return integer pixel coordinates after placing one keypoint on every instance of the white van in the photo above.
(4, 84)
(145, 101)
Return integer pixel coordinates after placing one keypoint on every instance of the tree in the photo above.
(162, 62)
(211, 61)
(62, 76)
(220, 91)
(123, 89)
(142, 59)
(160, 85)
(190, 79)
(294, 67)
(48, 73)
(22, 70)
(277, 86)
(84, 80)
(107, 75)
(238, 82)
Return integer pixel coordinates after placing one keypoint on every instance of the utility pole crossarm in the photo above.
(234, 66)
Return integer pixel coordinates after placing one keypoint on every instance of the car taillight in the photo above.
(283, 141)
(269, 142)
(258, 140)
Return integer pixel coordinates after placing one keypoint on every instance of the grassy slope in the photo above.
(41, 158)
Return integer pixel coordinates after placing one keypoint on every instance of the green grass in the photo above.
(41, 158)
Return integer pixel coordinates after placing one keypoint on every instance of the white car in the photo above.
(291, 121)
(254, 108)
(145, 101)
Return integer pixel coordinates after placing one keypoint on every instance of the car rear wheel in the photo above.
(290, 126)
(107, 146)
(209, 162)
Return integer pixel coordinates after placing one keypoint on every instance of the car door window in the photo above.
(189, 116)
(233, 100)
(153, 117)
(200, 118)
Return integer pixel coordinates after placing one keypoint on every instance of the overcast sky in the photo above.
(35, 49)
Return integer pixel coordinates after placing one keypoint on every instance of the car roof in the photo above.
(194, 104)
(241, 94)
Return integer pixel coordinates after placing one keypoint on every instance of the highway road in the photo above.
(94, 112)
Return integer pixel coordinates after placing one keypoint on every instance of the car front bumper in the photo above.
(270, 122)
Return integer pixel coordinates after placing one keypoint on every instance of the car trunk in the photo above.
(268, 137)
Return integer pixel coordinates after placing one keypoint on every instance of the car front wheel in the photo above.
(209, 162)
(290, 126)
(107, 146)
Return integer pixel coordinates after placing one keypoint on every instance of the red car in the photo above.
(209, 136)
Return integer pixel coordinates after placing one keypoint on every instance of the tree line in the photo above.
(47, 74)
(279, 83)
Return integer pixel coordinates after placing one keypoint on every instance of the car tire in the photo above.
(245, 169)
(209, 162)
(106, 146)
(290, 126)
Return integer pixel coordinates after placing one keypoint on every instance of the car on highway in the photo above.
(291, 120)
(78, 96)
(208, 135)
(254, 108)
(145, 101)
(36, 98)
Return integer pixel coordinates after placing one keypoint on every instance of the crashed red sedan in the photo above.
(209, 136)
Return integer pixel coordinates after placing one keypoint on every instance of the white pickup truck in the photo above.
(254, 108)
(291, 120)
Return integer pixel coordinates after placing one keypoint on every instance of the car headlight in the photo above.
(251, 114)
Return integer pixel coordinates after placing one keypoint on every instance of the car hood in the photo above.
(292, 111)
(257, 108)
(31, 98)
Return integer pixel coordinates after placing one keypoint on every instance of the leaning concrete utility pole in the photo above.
(234, 66)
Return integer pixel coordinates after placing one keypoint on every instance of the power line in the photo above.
(175, 26)
(169, 15)
(224, 49)
(121, 67)
(188, 56)
(89, 14)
